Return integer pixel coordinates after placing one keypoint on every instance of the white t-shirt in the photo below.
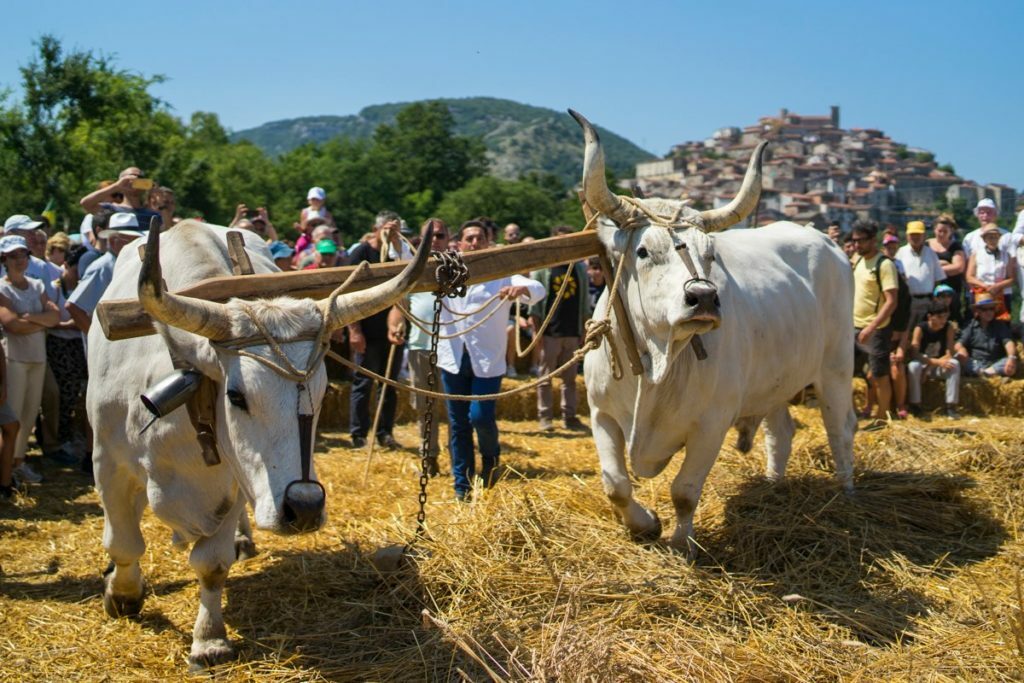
(923, 270)
(25, 348)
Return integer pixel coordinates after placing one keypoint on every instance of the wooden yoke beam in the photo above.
(125, 318)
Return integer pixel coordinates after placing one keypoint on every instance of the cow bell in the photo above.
(171, 392)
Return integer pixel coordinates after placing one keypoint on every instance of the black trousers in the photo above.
(362, 405)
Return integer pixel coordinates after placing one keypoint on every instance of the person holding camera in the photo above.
(254, 220)
(126, 195)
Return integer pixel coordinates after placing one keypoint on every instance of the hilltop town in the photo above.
(817, 172)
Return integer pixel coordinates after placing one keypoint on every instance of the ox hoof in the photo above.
(117, 606)
(245, 549)
(648, 534)
(210, 653)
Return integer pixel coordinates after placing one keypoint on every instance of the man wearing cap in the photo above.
(325, 255)
(986, 213)
(985, 346)
(922, 269)
(118, 229)
(38, 268)
(874, 301)
(371, 346)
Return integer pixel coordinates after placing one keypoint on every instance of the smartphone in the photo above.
(142, 184)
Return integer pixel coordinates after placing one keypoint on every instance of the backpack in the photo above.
(901, 316)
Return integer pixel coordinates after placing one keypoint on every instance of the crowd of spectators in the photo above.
(939, 308)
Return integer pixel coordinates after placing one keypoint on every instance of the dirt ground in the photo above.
(916, 577)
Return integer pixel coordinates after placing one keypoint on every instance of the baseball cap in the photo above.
(316, 193)
(9, 243)
(327, 247)
(121, 223)
(915, 228)
(279, 249)
(944, 289)
(986, 203)
(20, 221)
(889, 239)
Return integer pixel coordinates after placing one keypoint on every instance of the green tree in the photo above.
(506, 201)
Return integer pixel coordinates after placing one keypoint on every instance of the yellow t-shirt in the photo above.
(867, 298)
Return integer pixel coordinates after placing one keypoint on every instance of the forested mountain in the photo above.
(520, 138)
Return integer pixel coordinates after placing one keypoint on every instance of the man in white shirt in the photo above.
(922, 269)
(472, 361)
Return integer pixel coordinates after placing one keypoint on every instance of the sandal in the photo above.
(902, 414)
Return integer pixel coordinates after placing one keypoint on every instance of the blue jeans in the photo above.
(466, 416)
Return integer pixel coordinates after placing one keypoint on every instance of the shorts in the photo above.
(875, 352)
(7, 415)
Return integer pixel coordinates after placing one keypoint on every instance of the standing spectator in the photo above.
(835, 233)
(25, 312)
(922, 269)
(890, 245)
(118, 230)
(513, 234)
(951, 255)
(325, 255)
(562, 336)
(65, 355)
(8, 432)
(874, 302)
(472, 361)
(992, 269)
(22, 226)
(317, 200)
(850, 247)
(417, 349)
(368, 340)
(596, 285)
(161, 199)
(257, 221)
(986, 213)
(124, 196)
(985, 347)
(57, 249)
(932, 352)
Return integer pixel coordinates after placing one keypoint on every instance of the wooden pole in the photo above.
(125, 318)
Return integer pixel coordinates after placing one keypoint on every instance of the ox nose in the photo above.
(701, 295)
(304, 505)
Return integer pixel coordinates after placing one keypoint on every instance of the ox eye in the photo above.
(642, 252)
(237, 399)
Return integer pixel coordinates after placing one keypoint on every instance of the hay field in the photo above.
(917, 577)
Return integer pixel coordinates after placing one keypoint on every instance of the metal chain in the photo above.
(451, 276)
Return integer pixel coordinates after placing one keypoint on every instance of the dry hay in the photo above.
(916, 577)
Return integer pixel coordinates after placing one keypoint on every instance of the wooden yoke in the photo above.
(625, 328)
(125, 318)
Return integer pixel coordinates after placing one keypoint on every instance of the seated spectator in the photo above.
(124, 196)
(946, 295)
(985, 347)
(282, 255)
(25, 313)
(931, 351)
(992, 269)
(57, 249)
(317, 200)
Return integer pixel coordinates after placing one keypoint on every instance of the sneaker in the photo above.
(24, 473)
(387, 441)
(358, 442)
(951, 413)
(63, 456)
(546, 425)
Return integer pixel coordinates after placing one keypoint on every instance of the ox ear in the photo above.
(614, 238)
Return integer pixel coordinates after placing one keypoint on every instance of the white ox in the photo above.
(773, 307)
(257, 428)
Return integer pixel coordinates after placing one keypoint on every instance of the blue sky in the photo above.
(945, 76)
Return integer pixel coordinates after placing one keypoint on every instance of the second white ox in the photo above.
(259, 399)
(773, 307)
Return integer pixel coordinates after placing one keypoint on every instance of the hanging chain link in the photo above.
(451, 276)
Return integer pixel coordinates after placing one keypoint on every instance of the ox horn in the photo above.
(205, 318)
(744, 202)
(595, 186)
(343, 309)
